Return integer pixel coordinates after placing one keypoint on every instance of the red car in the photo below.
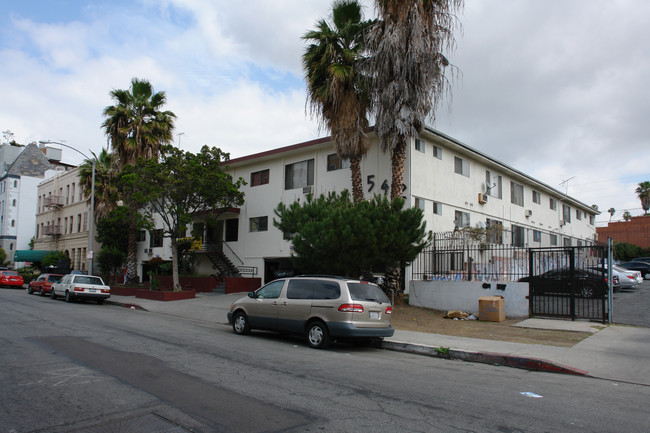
(11, 279)
(43, 283)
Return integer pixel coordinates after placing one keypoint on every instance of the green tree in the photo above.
(137, 127)
(333, 235)
(3, 257)
(627, 215)
(182, 184)
(110, 260)
(408, 67)
(643, 192)
(336, 93)
(113, 229)
(57, 259)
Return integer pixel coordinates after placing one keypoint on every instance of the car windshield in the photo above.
(10, 273)
(367, 292)
(56, 278)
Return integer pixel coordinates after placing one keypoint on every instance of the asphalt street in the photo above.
(82, 367)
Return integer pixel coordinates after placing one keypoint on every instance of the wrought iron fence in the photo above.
(468, 256)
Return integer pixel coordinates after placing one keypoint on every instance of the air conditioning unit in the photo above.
(482, 198)
(529, 213)
(562, 223)
(307, 189)
(147, 251)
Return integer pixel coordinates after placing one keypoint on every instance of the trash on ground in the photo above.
(457, 315)
(531, 394)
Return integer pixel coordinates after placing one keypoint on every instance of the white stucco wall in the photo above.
(463, 295)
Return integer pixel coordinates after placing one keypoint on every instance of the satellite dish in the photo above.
(487, 186)
(481, 224)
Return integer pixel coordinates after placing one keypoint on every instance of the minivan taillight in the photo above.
(389, 310)
(351, 308)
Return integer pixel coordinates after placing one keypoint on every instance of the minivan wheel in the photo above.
(240, 325)
(317, 335)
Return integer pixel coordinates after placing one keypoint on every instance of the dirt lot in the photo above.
(409, 318)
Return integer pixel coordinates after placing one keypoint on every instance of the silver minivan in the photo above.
(322, 308)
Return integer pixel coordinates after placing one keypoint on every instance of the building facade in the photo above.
(22, 168)
(455, 185)
(636, 231)
(62, 218)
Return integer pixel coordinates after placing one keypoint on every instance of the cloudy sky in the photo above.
(557, 89)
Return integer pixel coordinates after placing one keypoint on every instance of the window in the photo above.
(580, 243)
(553, 240)
(566, 213)
(419, 145)
(13, 223)
(578, 214)
(420, 203)
(155, 238)
(516, 194)
(65, 226)
(537, 236)
(461, 219)
(260, 178)
(494, 185)
(142, 235)
(271, 290)
(552, 203)
(518, 236)
(72, 195)
(334, 162)
(313, 289)
(461, 166)
(437, 208)
(567, 242)
(592, 219)
(259, 224)
(537, 197)
(299, 174)
(494, 231)
(13, 202)
(437, 152)
(71, 224)
(232, 230)
(78, 223)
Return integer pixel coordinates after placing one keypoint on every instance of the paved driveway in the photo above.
(632, 307)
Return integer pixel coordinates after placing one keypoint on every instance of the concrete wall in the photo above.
(463, 295)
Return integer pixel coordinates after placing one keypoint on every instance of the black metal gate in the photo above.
(569, 282)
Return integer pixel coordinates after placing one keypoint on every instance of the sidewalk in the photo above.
(619, 353)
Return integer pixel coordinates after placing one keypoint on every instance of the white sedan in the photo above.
(76, 286)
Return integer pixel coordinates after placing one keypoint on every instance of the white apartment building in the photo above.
(21, 169)
(455, 185)
(62, 218)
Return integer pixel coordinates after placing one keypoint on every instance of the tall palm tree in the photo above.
(336, 92)
(408, 70)
(643, 191)
(137, 127)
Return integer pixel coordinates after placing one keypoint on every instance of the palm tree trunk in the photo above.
(131, 254)
(398, 156)
(357, 183)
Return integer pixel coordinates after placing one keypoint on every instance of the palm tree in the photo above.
(408, 70)
(627, 215)
(336, 92)
(105, 191)
(643, 191)
(611, 211)
(137, 128)
(135, 125)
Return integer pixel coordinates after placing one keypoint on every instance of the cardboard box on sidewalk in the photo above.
(491, 308)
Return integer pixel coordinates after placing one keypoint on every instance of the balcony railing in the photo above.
(53, 201)
(53, 230)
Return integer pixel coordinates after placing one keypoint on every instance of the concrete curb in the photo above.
(515, 361)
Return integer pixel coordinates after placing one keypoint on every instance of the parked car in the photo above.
(319, 307)
(76, 286)
(643, 267)
(589, 283)
(43, 283)
(641, 259)
(11, 279)
(627, 279)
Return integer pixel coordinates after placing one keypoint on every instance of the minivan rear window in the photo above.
(367, 292)
(313, 289)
